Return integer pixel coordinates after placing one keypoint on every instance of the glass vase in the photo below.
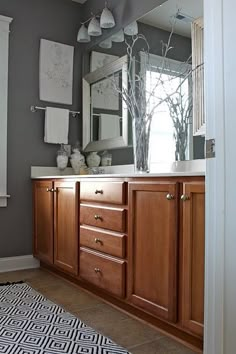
(141, 142)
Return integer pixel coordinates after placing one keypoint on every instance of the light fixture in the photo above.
(118, 37)
(94, 28)
(83, 36)
(107, 43)
(131, 29)
(107, 19)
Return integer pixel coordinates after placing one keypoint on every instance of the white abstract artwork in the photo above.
(55, 72)
(104, 96)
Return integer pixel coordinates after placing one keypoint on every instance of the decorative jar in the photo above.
(106, 159)
(93, 159)
(77, 160)
(62, 158)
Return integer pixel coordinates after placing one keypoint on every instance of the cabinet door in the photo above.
(193, 256)
(152, 253)
(65, 226)
(43, 221)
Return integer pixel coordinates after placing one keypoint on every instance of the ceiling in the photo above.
(162, 15)
(80, 1)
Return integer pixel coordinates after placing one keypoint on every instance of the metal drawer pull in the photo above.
(170, 196)
(97, 240)
(98, 191)
(97, 217)
(184, 197)
(51, 190)
(97, 270)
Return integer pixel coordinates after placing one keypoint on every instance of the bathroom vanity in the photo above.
(135, 241)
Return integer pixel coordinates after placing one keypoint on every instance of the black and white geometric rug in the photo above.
(31, 324)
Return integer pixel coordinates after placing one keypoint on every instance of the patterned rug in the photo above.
(31, 324)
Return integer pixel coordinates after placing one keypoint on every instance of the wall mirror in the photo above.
(105, 114)
(185, 19)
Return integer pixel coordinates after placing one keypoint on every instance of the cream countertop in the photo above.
(176, 169)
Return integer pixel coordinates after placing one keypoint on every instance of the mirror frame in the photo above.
(88, 80)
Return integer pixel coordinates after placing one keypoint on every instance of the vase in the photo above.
(93, 159)
(141, 142)
(62, 159)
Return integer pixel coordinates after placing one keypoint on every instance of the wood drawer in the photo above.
(107, 192)
(102, 271)
(103, 241)
(104, 217)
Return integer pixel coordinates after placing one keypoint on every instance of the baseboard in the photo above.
(8, 264)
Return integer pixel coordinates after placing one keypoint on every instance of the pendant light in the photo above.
(107, 19)
(83, 36)
(131, 29)
(118, 37)
(107, 43)
(94, 28)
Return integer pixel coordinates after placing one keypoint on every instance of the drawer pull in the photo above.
(170, 196)
(97, 240)
(98, 191)
(97, 270)
(51, 190)
(97, 217)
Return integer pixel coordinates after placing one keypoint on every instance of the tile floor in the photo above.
(137, 337)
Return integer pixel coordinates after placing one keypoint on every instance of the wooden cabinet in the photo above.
(43, 221)
(66, 226)
(142, 242)
(56, 224)
(193, 256)
(153, 241)
(103, 235)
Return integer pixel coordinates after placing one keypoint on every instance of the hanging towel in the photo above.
(109, 126)
(56, 125)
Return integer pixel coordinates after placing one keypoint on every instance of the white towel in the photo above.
(109, 126)
(56, 125)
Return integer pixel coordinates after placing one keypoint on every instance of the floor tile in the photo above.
(138, 337)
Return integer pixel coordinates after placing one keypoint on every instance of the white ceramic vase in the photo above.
(93, 159)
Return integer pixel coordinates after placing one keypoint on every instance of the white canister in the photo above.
(93, 159)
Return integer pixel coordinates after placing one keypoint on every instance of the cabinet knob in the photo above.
(184, 197)
(98, 191)
(170, 196)
(97, 240)
(97, 270)
(97, 217)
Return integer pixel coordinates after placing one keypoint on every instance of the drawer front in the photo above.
(107, 192)
(107, 242)
(106, 218)
(106, 273)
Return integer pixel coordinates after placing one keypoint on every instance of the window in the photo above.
(168, 142)
(4, 42)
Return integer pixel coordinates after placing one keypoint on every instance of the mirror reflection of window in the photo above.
(106, 108)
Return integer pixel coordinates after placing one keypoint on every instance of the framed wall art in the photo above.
(56, 72)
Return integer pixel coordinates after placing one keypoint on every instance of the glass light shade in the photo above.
(118, 37)
(83, 36)
(94, 28)
(107, 43)
(131, 29)
(107, 19)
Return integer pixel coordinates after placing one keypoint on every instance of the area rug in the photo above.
(31, 324)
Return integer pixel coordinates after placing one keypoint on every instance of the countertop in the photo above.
(176, 169)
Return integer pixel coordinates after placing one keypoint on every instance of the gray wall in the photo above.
(56, 20)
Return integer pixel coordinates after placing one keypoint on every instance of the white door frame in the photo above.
(220, 272)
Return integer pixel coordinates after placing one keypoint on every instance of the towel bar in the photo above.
(36, 108)
(5, 196)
